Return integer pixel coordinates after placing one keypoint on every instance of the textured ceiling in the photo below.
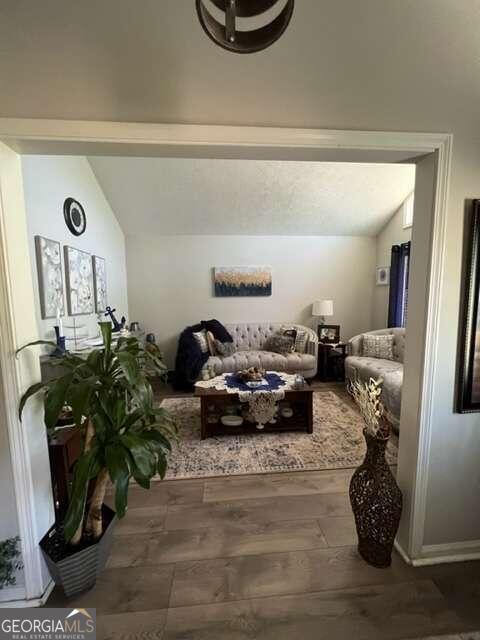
(251, 197)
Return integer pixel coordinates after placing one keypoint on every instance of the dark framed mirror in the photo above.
(468, 376)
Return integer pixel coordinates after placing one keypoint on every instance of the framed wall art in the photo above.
(242, 281)
(468, 375)
(99, 283)
(79, 278)
(50, 277)
(383, 275)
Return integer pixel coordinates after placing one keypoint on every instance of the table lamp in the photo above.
(322, 308)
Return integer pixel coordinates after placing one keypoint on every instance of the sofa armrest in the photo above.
(312, 346)
(355, 345)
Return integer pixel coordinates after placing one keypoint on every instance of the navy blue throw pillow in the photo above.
(218, 330)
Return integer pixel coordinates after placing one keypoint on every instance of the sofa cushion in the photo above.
(358, 367)
(300, 362)
(371, 367)
(292, 363)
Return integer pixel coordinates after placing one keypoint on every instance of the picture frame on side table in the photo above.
(468, 373)
(329, 333)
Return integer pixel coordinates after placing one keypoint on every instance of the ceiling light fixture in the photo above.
(229, 37)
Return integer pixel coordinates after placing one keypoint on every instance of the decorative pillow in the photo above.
(211, 343)
(279, 343)
(218, 330)
(224, 349)
(378, 346)
(301, 342)
(201, 338)
(301, 337)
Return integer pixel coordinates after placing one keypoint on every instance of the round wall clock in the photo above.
(75, 217)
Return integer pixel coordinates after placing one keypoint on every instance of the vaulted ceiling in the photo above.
(251, 197)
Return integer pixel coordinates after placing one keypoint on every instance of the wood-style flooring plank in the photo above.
(226, 541)
(459, 583)
(122, 590)
(211, 514)
(166, 492)
(239, 578)
(381, 612)
(276, 485)
(140, 625)
(141, 521)
(339, 531)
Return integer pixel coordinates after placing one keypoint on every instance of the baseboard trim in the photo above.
(442, 553)
(450, 552)
(18, 600)
(405, 557)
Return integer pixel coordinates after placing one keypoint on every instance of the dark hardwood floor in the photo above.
(266, 557)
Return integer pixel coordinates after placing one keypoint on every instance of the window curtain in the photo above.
(399, 274)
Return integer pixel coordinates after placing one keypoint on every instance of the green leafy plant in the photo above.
(9, 561)
(125, 435)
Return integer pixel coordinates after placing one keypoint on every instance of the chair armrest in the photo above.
(312, 346)
(355, 345)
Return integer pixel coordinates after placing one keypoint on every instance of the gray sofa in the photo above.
(359, 367)
(249, 340)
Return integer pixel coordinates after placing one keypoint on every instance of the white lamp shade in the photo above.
(322, 308)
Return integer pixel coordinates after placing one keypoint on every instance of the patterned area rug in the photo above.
(337, 442)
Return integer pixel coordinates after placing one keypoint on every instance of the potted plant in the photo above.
(125, 437)
(9, 561)
(374, 494)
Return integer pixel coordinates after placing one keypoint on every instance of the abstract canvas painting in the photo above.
(79, 276)
(100, 283)
(50, 278)
(242, 281)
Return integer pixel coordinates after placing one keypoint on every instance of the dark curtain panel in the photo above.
(399, 274)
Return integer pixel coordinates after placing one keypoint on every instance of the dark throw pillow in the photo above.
(218, 330)
(280, 344)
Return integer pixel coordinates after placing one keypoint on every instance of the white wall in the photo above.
(392, 233)
(170, 281)
(9, 527)
(48, 180)
(30, 469)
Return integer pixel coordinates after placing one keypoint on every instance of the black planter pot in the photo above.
(75, 569)
(376, 503)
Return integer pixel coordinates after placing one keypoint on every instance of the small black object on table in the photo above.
(331, 361)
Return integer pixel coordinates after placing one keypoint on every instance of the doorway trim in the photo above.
(176, 140)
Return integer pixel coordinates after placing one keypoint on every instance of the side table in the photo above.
(331, 362)
(64, 449)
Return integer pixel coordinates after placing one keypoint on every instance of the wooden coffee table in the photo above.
(214, 403)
